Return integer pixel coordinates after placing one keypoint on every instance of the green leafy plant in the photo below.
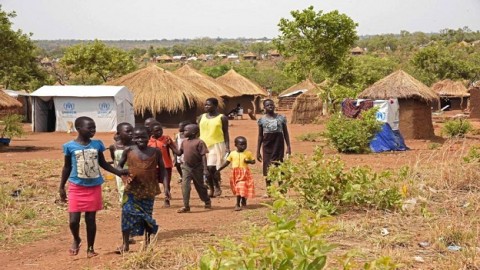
(433, 146)
(456, 128)
(309, 137)
(11, 126)
(326, 186)
(292, 239)
(473, 155)
(349, 135)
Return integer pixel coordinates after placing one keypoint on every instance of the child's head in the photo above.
(85, 127)
(116, 137)
(241, 143)
(140, 137)
(191, 131)
(157, 130)
(182, 125)
(148, 124)
(269, 105)
(125, 132)
(211, 104)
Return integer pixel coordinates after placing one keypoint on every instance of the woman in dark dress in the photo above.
(272, 135)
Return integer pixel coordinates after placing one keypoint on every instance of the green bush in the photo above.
(292, 239)
(473, 155)
(349, 135)
(309, 137)
(456, 128)
(326, 186)
(11, 126)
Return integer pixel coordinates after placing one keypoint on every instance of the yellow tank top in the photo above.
(211, 130)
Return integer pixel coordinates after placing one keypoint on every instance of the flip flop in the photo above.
(74, 251)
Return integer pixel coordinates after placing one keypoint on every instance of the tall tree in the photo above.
(315, 40)
(98, 61)
(18, 65)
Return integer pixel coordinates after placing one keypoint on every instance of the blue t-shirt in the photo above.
(85, 168)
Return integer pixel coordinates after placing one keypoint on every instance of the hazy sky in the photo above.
(157, 19)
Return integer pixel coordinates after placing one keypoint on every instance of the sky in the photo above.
(178, 19)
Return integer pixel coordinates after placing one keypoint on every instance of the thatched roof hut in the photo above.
(307, 107)
(415, 101)
(8, 104)
(164, 59)
(288, 97)
(161, 93)
(249, 56)
(356, 51)
(250, 91)
(451, 93)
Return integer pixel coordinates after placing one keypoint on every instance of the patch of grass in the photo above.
(310, 137)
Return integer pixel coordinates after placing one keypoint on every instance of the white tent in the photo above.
(55, 108)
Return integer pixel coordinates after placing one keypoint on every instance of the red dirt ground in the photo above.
(51, 253)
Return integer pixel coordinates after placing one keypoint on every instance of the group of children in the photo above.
(142, 160)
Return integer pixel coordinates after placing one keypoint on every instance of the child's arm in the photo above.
(111, 148)
(250, 161)
(104, 164)
(223, 166)
(123, 159)
(259, 143)
(176, 150)
(66, 170)
(287, 138)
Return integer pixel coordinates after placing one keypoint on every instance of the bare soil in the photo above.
(52, 252)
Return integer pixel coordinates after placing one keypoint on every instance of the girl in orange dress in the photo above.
(241, 181)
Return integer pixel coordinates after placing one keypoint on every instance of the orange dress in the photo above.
(241, 180)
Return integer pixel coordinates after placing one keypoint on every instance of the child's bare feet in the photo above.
(75, 247)
(91, 253)
(121, 250)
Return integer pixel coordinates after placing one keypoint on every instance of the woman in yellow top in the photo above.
(241, 181)
(214, 132)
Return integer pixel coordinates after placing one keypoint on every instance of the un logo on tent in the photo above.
(69, 106)
(381, 116)
(103, 107)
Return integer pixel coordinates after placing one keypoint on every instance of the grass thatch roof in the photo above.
(197, 77)
(250, 54)
(356, 50)
(241, 84)
(450, 88)
(157, 90)
(306, 84)
(164, 57)
(7, 102)
(401, 85)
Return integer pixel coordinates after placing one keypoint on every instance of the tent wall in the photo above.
(43, 116)
(415, 119)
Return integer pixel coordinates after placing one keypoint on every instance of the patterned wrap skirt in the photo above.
(241, 183)
(137, 215)
(84, 199)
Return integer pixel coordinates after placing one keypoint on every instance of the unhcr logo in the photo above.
(103, 109)
(69, 108)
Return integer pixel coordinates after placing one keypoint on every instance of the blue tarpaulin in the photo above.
(388, 140)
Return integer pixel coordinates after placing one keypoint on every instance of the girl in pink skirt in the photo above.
(83, 159)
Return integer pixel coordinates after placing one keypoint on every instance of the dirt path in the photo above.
(52, 253)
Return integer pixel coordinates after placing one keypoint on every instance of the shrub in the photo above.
(325, 185)
(473, 155)
(11, 126)
(292, 240)
(349, 135)
(456, 128)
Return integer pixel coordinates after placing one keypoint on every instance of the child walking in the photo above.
(124, 139)
(194, 167)
(164, 143)
(140, 188)
(179, 138)
(83, 159)
(241, 181)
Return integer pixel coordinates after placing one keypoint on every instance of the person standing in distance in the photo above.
(214, 132)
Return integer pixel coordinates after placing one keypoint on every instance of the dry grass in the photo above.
(399, 85)
(157, 90)
(450, 88)
(7, 102)
(445, 213)
(241, 84)
(27, 209)
(306, 108)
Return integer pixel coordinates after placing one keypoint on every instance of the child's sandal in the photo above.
(91, 253)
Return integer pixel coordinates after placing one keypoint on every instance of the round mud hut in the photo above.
(230, 96)
(287, 98)
(165, 96)
(8, 104)
(453, 94)
(251, 93)
(414, 98)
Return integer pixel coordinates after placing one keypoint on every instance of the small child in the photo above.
(164, 143)
(123, 140)
(241, 181)
(83, 159)
(140, 188)
(179, 138)
(194, 167)
(148, 124)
